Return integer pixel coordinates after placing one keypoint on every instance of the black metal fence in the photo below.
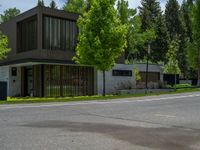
(3, 90)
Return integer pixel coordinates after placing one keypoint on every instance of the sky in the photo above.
(24, 5)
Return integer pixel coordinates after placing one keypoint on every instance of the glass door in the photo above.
(28, 81)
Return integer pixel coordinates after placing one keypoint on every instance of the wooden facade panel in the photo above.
(68, 80)
(152, 76)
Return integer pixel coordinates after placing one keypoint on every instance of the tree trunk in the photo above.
(198, 82)
(104, 83)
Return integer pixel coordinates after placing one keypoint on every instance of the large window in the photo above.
(124, 73)
(27, 34)
(59, 34)
(68, 80)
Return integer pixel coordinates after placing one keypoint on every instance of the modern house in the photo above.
(42, 42)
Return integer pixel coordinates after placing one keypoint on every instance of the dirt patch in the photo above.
(157, 138)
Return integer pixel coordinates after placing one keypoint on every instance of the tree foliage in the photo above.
(186, 9)
(77, 6)
(137, 74)
(138, 39)
(102, 38)
(3, 46)
(192, 50)
(9, 14)
(176, 28)
(194, 47)
(172, 65)
(152, 19)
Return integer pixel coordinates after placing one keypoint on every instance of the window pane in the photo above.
(27, 34)
(59, 34)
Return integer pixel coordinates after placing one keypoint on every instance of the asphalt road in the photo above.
(168, 122)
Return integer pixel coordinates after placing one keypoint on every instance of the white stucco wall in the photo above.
(15, 83)
(113, 83)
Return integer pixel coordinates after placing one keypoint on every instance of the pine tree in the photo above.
(176, 28)
(53, 5)
(77, 6)
(151, 18)
(9, 14)
(186, 11)
(173, 19)
(196, 36)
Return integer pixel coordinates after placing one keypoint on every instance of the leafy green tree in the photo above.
(102, 38)
(152, 18)
(137, 75)
(3, 46)
(77, 6)
(138, 39)
(172, 65)
(9, 14)
(53, 5)
(40, 3)
(126, 16)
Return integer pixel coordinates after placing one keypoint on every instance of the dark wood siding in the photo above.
(152, 76)
(27, 34)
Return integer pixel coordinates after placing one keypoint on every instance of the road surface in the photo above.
(167, 122)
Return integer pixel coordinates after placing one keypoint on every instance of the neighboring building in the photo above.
(42, 42)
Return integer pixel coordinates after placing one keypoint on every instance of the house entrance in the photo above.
(28, 81)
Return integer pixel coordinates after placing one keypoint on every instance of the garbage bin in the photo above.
(3, 90)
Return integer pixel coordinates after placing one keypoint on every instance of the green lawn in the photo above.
(25, 100)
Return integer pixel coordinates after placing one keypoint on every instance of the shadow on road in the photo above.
(156, 138)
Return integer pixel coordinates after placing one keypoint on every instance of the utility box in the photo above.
(3, 91)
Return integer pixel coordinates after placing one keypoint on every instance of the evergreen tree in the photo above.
(151, 18)
(9, 14)
(186, 11)
(40, 3)
(53, 5)
(195, 45)
(173, 19)
(176, 28)
(77, 6)
(149, 11)
(102, 38)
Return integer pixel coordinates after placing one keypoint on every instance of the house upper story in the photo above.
(42, 34)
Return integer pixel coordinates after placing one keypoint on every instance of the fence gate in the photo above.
(3, 90)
